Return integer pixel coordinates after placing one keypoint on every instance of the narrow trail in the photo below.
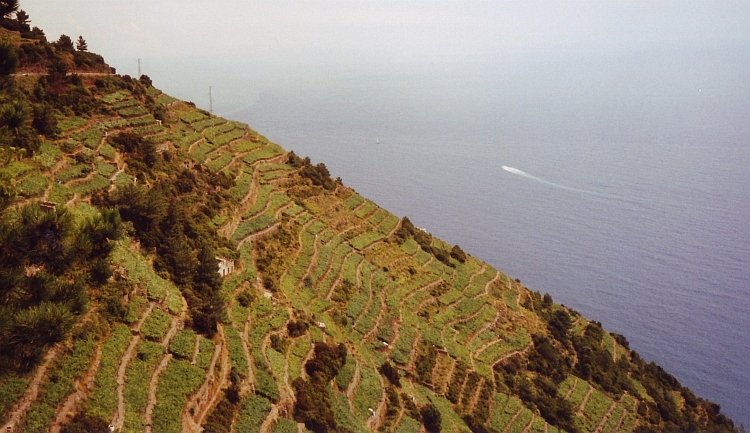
(259, 234)
(484, 327)
(379, 321)
(476, 273)
(522, 352)
(475, 396)
(353, 385)
(313, 260)
(605, 418)
(337, 281)
(152, 391)
(512, 420)
(370, 297)
(214, 386)
(23, 405)
(531, 423)
(119, 417)
(441, 387)
(374, 421)
(173, 327)
(487, 286)
(429, 286)
(572, 388)
(620, 421)
(413, 352)
(82, 387)
(585, 400)
(246, 349)
(310, 353)
(196, 351)
(200, 402)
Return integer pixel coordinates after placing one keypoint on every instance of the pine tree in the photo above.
(8, 7)
(8, 59)
(81, 44)
(65, 43)
(22, 17)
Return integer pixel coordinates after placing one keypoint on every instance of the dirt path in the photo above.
(82, 386)
(475, 396)
(476, 273)
(337, 281)
(445, 381)
(512, 420)
(620, 421)
(531, 423)
(514, 353)
(119, 417)
(486, 292)
(246, 349)
(484, 327)
(584, 401)
(196, 351)
(310, 353)
(246, 203)
(379, 321)
(200, 403)
(572, 388)
(605, 418)
(374, 421)
(259, 234)
(23, 405)
(370, 297)
(413, 351)
(214, 386)
(353, 385)
(152, 391)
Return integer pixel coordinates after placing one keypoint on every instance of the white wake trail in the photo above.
(556, 185)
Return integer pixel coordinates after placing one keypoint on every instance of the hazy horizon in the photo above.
(187, 46)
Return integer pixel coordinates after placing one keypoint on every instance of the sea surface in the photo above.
(617, 182)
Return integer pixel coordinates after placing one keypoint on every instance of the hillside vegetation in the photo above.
(116, 200)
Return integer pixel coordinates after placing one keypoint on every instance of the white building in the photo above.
(226, 266)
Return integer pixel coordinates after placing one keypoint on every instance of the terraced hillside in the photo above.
(338, 315)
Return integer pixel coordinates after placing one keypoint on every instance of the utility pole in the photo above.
(211, 111)
(139, 68)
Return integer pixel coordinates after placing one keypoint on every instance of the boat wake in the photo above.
(557, 185)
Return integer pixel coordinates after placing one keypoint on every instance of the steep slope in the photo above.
(337, 314)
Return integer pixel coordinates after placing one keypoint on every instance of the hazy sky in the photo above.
(312, 34)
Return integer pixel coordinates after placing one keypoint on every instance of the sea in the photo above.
(618, 182)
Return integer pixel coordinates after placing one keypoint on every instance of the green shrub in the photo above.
(74, 172)
(138, 374)
(285, 425)
(33, 185)
(102, 402)
(176, 383)
(183, 344)
(236, 351)
(156, 325)
(253, 411)
(205, 353)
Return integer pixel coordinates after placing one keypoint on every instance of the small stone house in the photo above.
(226, 266)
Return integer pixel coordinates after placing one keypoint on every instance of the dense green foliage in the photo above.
(314, 405)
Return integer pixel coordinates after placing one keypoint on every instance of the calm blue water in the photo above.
(638, 216)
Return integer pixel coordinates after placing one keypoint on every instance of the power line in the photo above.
(211, 111)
